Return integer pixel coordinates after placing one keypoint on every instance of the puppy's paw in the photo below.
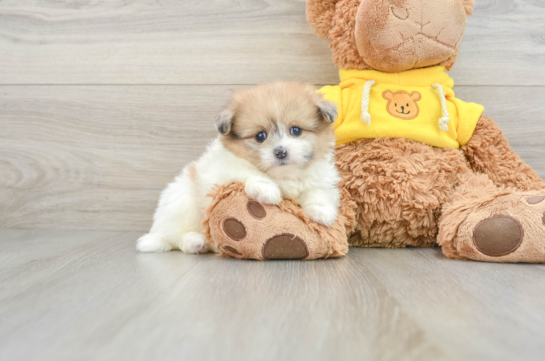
(193, 242)
(152, 243)
(263, 191)
(323, 213)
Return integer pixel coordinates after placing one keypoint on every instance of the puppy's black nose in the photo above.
(280, 152)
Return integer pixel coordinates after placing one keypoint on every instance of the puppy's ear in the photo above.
(224, 120)
(468, 6)
(328, 110)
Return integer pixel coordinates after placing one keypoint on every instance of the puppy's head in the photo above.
(278, 127)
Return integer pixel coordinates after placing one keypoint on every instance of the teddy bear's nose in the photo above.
(400, 13)
(402, 108)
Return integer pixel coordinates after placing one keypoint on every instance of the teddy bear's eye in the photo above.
(407, 104)
(396, 104)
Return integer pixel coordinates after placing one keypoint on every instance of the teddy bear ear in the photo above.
(320, 16)
(468, 6)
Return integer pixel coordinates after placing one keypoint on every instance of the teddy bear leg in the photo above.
(494, 224)
(242, 228)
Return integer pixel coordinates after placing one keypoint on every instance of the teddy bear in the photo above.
(419, 166)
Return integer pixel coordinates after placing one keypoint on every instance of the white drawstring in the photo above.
(443, 122)
(365, 116)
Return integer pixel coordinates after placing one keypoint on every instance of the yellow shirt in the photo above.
(402, 105)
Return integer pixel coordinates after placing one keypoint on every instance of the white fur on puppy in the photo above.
(263, 190)
(277, 139)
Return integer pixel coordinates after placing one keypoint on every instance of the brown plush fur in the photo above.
(402, 187)
(385, 35)
(320, 14)
(399, 186)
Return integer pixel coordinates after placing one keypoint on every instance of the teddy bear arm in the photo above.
(489, 152)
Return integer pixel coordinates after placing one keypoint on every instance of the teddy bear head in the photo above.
(391, 35)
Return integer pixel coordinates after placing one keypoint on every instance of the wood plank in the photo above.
(97, 157)
(96, 299)
(493, 303)
(114, 148)
(231, 42)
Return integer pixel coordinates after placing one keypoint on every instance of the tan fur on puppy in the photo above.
(274, 109)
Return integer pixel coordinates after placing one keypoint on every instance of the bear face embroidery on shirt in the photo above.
(401, 104)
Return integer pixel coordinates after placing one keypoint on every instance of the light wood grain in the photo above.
(497, 303)
(229, 42)
(89, 296)
(97, 157)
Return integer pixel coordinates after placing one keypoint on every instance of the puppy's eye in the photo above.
(260, 137)
(296, 131)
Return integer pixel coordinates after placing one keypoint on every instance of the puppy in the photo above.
(276, 138)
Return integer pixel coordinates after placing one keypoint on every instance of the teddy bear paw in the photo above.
(249, 239)
(241, 227)
(511, 228)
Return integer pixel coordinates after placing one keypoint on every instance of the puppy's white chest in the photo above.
(291, 189)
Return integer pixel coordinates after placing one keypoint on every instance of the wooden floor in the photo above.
(103, 102)
(80, 295)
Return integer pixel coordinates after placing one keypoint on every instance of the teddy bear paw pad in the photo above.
(232, 250)
(234, 229)
(498, 236)
(535, 199)
(285, 246)
(256, 210)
